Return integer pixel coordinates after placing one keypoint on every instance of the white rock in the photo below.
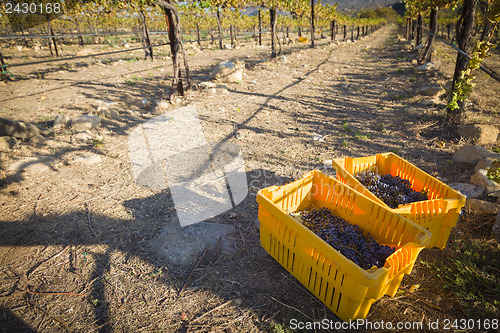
(228, 71)
(85, 122)
(207, 85)
(480, 179)
(486, 163)
(83, 137)
(144, 101)
(479, 134)
(469, 190)
(61, 120)
(418, 47)
(428, 66)
(105, 111)
(88, 160)
(482, 207)
(429, 91)
(284, 59)
(317, 137)
(472, 154)
(162, 104)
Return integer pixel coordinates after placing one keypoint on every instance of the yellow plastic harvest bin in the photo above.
(344, 287)
(439, 214)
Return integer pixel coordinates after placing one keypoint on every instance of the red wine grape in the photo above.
(392, 190)
(347, 238)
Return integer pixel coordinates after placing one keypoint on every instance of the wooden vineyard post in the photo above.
(174, 34)
(146, 42)
(433, 25)
(419, 29)
(272, 14)
(312, 23)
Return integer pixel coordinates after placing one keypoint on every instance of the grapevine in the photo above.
(347, 238)
(464, 84)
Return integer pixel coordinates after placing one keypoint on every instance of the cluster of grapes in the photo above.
(394, 191)
(346, 238)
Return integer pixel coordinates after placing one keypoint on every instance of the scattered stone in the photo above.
(479, 134)
(472, 154)
(85, 122)
(83, 137)
(482, 207)
(4, 143)
(88, 160)
(227, 47)
(61, 120)
(162, 104)
(429, 91)
(145, 101)
(253, 82)
(131, 113)
(284, 59)
(469, 190)
(182, 245)
(228, 71)
(317, 137)
(427, 102)
(239, 135)
(37, 140)
(480, 179)
(207, 85)
(426, 67)
(106, 112)
(495, 231)
(256, 223)
(486, 163)
(33, 164)
(418, 47)
(18, 129)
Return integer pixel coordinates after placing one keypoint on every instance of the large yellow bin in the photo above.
(344, 287)
(439, 214)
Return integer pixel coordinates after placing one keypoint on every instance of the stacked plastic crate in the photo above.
(344, 287)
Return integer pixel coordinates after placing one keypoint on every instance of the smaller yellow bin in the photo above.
(340, 284)
(439, 214)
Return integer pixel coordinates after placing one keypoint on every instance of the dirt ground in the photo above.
(75, 251)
